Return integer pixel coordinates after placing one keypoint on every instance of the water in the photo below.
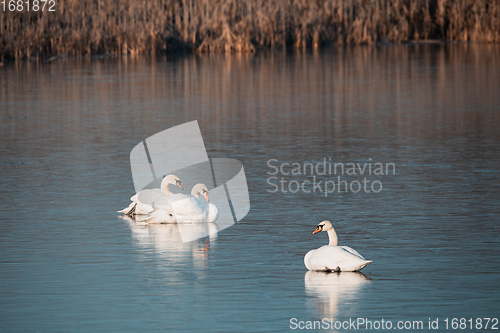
(68, 263)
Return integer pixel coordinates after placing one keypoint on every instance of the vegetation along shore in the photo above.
(87, 27)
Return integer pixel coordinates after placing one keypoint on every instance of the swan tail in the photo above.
(130, 210)
(366, 263)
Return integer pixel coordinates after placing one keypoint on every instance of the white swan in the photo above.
(332, 257)
(183, 208)
(142, 200)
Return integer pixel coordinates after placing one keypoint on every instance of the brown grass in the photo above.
(85, 27)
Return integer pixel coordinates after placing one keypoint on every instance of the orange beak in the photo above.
(206, 196)
(318, 229)
(179, 184)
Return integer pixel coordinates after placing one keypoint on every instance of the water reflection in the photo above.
(379, 88)
(333, 291)
(175, 243)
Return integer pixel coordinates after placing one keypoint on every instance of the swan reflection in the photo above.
(176, 243)
(333, 290)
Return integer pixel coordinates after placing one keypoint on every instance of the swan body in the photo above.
(332, 257)
(142, 201)
(183, 208)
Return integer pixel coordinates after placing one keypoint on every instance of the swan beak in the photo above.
(205, 194)
(178, 183)
(318, 229)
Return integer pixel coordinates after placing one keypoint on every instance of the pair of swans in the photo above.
(162, 206)
(331, 257)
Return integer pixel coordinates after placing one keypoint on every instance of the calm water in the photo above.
(68, 263)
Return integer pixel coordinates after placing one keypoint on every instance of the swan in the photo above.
(183, 208)
(331, 257)
(142, 200)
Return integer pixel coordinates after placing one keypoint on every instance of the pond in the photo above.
(412, 129)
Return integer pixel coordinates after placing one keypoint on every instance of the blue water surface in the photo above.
(70, 263)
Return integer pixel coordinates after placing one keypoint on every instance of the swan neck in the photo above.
(165, 189)
(332, 236)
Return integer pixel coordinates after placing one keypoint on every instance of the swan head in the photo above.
(200, 189)
(172, 180)
(323, 226)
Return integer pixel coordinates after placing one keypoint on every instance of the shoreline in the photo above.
(181, 54)
(96, 27)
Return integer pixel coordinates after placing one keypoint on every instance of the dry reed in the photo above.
(86, 27)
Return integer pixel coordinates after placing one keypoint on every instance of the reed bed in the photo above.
(87, 27)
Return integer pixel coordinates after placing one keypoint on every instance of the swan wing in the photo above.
(147, 197)
(352, 251)
(165, 201)
(189, 206)
(184, 208)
